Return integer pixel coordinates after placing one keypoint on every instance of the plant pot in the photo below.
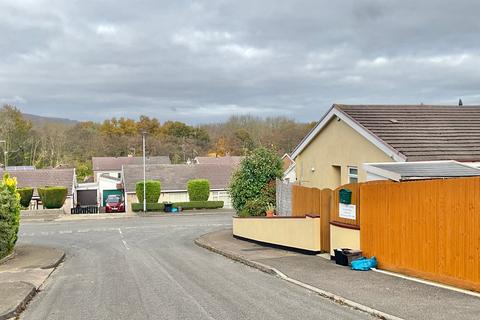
(270, 214)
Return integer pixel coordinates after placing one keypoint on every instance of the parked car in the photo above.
(114, 203)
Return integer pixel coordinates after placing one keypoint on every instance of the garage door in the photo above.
(87, 197)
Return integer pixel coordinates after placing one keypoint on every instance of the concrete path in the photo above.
(23, 274)
(150, 268)
(394, 296)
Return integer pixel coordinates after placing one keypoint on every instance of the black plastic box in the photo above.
(345, 256)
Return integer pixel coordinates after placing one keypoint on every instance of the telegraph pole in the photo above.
(4, 153)
(144, 176)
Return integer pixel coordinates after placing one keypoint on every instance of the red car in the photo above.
(114, 203)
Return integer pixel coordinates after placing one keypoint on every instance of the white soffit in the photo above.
(422, 170)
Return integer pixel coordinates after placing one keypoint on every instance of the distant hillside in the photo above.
(39, 120)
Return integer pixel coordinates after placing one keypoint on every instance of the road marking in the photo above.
(123, 239)
(125, 244)
(107, 229)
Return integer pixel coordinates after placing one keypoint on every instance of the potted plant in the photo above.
(270, 210)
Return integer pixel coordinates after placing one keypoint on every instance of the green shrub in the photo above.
(9, 215)
(198, 190)
(53, 197)
(259, 168)
(26, 195)
(199, 205)
(137, 207)
(152, 191)
(255, 208)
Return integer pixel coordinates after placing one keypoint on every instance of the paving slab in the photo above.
(23, 274)
(31, 257)
(13, 297)
(395, 296)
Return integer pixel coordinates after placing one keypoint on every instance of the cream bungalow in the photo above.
(348, 136)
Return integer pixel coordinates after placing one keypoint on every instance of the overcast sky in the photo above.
(204, 61)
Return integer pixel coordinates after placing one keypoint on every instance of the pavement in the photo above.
(23, 274)
(385, 295)
(56, 215)
(150, 268)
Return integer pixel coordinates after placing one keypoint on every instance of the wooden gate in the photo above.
(429, 229)
(313, 201)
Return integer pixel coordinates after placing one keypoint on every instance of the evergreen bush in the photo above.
(26, 195)
(251, 180)
(9, 215)
(153, 189)
(53, 197)
(198, 190)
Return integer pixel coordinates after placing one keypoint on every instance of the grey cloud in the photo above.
(203, 61)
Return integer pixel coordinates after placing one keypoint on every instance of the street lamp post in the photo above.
(144, 176)
(4, 153)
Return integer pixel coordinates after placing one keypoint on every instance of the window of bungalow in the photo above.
(352, 174)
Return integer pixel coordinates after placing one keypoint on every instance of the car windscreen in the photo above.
(113, 199)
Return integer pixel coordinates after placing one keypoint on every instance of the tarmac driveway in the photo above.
(150, 268)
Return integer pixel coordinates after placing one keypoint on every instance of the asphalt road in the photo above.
(149, 268)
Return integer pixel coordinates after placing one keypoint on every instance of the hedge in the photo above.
(26, 195)
(136, 207)
(198, 190)
(199, 205)
(9, 215)
(152, 193)
(255, 207)
(53, 197)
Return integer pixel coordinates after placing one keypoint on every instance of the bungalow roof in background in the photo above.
(227, 160)
(116, 163)
(174, 177)
(44, 177)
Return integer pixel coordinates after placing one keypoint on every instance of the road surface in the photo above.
(149, 268)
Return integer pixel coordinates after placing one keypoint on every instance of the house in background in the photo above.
(38, 178)
(174, 178)
(334, 151)
(288, 169)
(107, 173)
(112, 166)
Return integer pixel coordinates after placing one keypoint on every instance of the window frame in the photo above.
(352, 175)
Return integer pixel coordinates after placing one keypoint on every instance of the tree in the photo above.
(256, 171)
(17, 132)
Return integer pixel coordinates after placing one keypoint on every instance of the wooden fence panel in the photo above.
(334, 213)
(429, 229)
(305, 201)
(325, 203)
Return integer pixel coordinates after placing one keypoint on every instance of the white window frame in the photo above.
(352, 175)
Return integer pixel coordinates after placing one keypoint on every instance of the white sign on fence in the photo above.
(347, 211)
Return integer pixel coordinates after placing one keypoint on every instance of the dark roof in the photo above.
(422, 132)
(116, 163)
(44, 177)
(227, 160)
(176, 176)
